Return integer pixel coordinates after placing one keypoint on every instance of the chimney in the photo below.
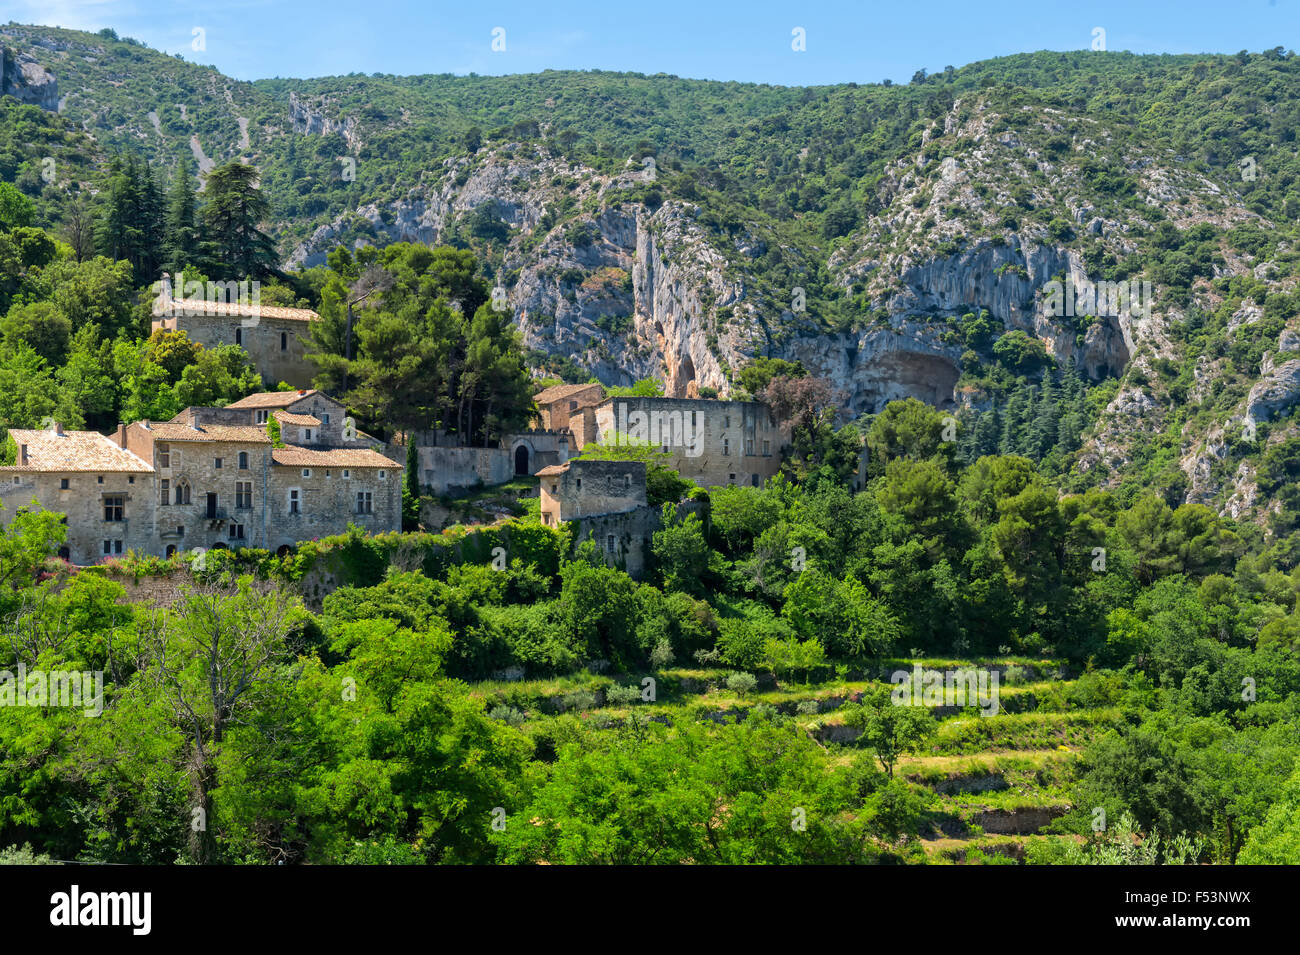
(56, 428)
(120, 436)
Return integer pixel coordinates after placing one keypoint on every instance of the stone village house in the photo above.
(210, 478)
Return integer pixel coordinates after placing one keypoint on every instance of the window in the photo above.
(130, 480)
(182, 492)
(731, 478)
(325, 419)
(113, 547)
(284, 341)
(239, 336)
(295, 501)
(726, 421)
(100, 479)
(63, 484)
(573, 406)
(579, 484)
(364, 503)
(726, 447)
(114, 508)
(693, 419)
(767, 449)
(243, 460)
(347, 475)
(243, 495)
(753, 479)
(306, 472)
(609, 543)
(383, 475)
(164, 492)
(749, 445)
(627, 480)
(216, 463)
(306, 434)
(235, 532)
(164, 456)
(262, 416)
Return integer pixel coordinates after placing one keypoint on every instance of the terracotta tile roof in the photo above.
(303, 420)
(272, 399)
(74, 451)
(296, 457)
(552, 469)
(176, 431)
(198, 306)
(560, 392)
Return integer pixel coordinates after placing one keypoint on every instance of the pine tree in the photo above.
(180, 247)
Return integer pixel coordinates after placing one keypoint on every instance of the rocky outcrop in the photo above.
(1275, 393)
(315, 122)
(23, 78)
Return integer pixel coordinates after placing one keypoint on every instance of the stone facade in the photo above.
(105, 492)
(209, 478)
(710, 442)
(275, 338)
(581, 488)
(557, 405)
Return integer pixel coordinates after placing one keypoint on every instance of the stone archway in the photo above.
(521, 461)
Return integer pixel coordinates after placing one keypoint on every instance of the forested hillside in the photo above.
(1095, 508)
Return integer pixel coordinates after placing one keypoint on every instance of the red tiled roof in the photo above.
(198, 306)
(296, 457)
(302, 420)
(176, 431)
(74, 451)
(272, 399)
(560, 392)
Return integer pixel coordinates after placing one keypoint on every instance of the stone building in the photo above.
(710, 442)
(209, 478)
(581, 488)
(105, 491)
(275, 338)
(560, 408)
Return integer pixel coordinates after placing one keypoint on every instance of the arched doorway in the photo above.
(65, 554)
(171, 550)
(521, 461)
(284, 550)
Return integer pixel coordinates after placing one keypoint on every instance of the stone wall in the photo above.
(453, 470)
(83, 503)
(589, 487)
(328, 502)
(277, 347)
(626, 538)
(712, 443)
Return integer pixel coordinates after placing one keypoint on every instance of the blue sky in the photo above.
(863, 41)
